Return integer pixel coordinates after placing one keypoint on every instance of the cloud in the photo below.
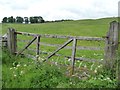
(59, 9)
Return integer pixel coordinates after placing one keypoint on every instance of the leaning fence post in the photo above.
(111, 46)
(12, 40)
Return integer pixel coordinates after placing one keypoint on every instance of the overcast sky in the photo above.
(59, 9)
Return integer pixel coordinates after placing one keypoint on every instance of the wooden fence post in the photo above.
(38, 47)
(12, 41)
(73, 55)
(111, 46)
(118, 74)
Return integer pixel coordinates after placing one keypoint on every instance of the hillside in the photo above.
(89, 27)
(24, 72)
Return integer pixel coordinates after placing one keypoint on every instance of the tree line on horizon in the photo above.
(27, 20)
(19, 19)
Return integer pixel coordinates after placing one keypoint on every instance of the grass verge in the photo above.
(20, 72)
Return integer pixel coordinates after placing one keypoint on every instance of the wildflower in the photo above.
(42, 59)
(73, 75)
(13, 63)
(83, 56)
(101, 76)
(16, 68)
(18, 65)
(78, 61)
(52, 60)
(25, 65)
(70, 82)
(69, 59)
(95, 78)
(37, 56)
(84, 73)
(108, 78)
(80, 64)
(85, 66)
(21, 72)
(15, 75)
(105, 79)
(94, 54)
(101, 59)
(99, 66)
(92, 66)
(55, 63)
(95, 70)
(79, 77)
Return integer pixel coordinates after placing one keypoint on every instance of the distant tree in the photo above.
(36, 19)
(40, 20)
(26, 20)
(19, 19)
(4, 20)
(11, 19)
(14, 20)
(31, 19)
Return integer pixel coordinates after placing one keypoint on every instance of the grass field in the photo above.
(96, 28)
(89, 27)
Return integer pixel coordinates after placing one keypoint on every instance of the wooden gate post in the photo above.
(12, 41)
(118, 74)
(111, 46)
(38, 47)
(73, 55)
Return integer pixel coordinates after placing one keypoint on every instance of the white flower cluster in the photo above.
(18, 69)
(39, 59)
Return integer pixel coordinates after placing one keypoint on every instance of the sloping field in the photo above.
(88, 27)
(25, 72)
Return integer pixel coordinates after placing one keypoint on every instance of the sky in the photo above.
(59, 9)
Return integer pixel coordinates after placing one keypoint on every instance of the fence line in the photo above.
(62, 37)
(67, 47)
(111, 41)
(69, 57)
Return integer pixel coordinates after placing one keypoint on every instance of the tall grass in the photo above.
(20, 72)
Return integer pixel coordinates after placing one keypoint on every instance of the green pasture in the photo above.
(36, 75)
(96, 28)
(88, 27)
